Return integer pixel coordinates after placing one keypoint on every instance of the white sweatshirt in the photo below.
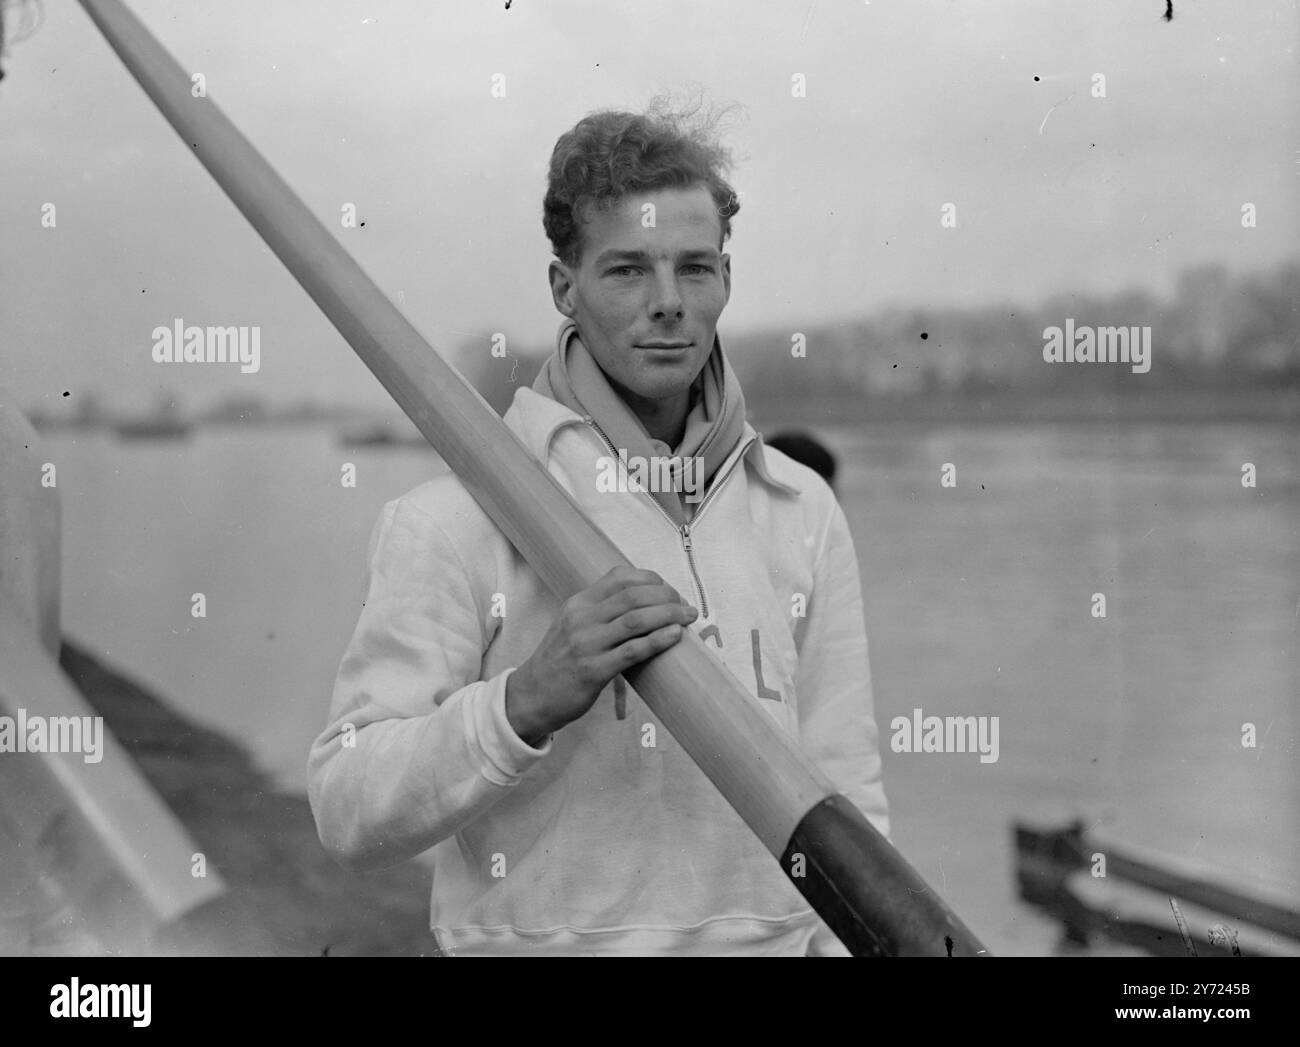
(608, 839)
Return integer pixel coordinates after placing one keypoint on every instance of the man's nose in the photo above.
(666, 298)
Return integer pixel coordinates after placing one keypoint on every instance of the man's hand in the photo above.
(620, 621)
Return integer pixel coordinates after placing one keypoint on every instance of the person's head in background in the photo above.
(808, 451)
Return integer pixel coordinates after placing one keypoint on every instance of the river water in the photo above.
(979, 601)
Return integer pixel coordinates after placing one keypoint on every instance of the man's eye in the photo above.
(624, 270)
(698, 268)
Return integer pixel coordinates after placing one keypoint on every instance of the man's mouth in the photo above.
(665, 345)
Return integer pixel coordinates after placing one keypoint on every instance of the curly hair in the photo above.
(611, 154)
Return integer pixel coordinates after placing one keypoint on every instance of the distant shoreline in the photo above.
(1096, 407)
(1267, 406)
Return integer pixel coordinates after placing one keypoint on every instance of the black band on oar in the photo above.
(841, 863)
(759, 769)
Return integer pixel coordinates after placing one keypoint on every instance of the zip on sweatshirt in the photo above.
(683, 531)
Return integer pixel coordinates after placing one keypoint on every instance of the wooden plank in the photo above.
(1047, 859)
(1218, 897)
(866, 891)
(118, 854)
(1099, 911)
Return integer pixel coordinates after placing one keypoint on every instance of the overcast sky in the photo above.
(388, 105)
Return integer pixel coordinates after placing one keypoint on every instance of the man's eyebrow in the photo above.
(615, 254)
(711, 253)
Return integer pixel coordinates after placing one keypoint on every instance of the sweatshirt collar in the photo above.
(536, 419)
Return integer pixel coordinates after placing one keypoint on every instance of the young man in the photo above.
(477, 715)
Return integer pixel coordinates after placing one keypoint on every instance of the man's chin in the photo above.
(663, 387)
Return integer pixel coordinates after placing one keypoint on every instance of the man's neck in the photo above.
(664, 420)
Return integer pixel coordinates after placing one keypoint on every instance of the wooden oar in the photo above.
(864, 889)
(119, 856)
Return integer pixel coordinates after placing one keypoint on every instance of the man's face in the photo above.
(646, 298)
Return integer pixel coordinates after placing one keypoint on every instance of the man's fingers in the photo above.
(597, 639)
(638, 649)
(612, 639)
(617, 578)
(642, 620)
(628, 600)
(638, 616)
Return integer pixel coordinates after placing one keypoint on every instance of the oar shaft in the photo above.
(761, 772)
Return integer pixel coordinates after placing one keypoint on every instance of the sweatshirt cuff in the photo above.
(506, 756)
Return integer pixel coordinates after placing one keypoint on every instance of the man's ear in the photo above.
(563, 289)
(726, 275)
